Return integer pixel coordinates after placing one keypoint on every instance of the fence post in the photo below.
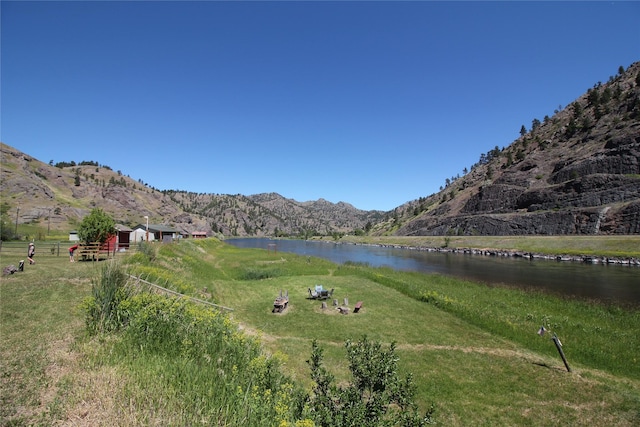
(556, 341)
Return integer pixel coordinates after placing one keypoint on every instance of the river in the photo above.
(607, 283)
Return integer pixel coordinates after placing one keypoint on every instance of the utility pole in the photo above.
(17, 213)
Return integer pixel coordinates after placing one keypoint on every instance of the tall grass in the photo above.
(221, 374)
(599, 336)
(109, 290)
(176, 348)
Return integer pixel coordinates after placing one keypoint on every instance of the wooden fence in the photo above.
(10, 251)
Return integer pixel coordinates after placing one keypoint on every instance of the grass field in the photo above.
(473, 350)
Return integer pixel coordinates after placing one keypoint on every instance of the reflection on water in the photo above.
(612, 283)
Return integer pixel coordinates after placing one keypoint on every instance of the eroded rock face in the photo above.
(547, 223)
(606, 204)
(622, 221)
(576, 173)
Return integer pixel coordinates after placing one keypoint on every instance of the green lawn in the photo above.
(473, 351)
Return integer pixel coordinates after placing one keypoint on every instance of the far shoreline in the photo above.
(609, 250)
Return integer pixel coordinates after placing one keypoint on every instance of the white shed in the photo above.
(139, 234)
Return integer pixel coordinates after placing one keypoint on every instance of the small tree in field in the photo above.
(96, 227)
(376, 396)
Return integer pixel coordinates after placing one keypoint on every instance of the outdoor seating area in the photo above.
(320, 293)
(281, 302)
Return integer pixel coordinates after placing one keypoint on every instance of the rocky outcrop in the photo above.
(590, 191)
(546, 223)
(577, 172)
(622, 221)
(619, 157)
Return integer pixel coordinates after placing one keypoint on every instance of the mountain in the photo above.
(577, 172)
(59, 196)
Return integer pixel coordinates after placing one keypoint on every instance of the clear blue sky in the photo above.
(370, 103)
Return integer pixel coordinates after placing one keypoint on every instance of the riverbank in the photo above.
(615, 250)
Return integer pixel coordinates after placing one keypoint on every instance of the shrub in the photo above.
(377, 396)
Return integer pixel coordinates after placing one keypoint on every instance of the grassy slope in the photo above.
(474, 377)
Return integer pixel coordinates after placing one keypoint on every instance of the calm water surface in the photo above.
(609, 283)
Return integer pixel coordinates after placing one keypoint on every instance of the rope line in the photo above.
(169, 291)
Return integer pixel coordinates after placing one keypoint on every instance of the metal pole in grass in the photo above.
(558, 344)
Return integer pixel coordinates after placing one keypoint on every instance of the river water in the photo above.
(615, 284)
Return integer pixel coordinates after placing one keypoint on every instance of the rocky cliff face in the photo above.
(577, 172)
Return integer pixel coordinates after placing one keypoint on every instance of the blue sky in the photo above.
(370, 103)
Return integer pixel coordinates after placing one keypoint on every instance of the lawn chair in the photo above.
(357, 307)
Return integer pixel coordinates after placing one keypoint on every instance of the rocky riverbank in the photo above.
(587, 259)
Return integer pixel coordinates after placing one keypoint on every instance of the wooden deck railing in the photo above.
(94, 252)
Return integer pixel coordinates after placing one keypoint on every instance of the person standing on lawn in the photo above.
(31, 253)
(72, 249)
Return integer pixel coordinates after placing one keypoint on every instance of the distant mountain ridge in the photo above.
(59, 197)
(576, 172)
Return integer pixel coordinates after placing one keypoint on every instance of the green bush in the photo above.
(377, 396)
